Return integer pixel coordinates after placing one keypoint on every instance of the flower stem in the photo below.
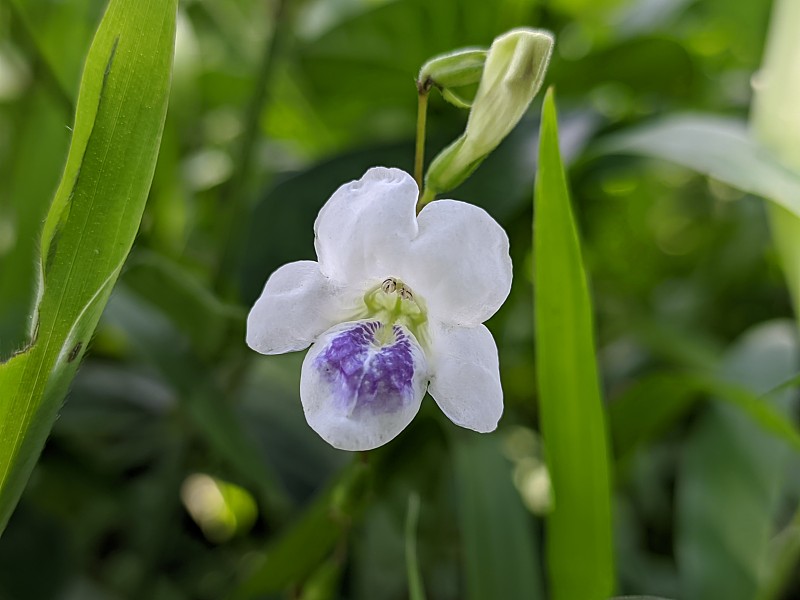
(428, 195)
(423, 90)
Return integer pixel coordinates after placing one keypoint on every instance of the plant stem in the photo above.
(423, 91)
(427, 196)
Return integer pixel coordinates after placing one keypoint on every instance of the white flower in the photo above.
(394, 306)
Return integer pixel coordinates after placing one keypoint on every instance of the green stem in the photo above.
(427, 196)
(423, 91)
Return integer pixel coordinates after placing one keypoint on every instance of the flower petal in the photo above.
(466, 379)
(459, 262)
(366, 226)
(298, 303)
(362, 382)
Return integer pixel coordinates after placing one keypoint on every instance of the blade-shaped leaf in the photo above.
(716, 146)
(91, 224)
(501, 559)
(579, 546)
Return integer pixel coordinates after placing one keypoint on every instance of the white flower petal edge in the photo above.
(298, 304)
(356, 394)
(364, 229)
(459, 262)
(466, 380)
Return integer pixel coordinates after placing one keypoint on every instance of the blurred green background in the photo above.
(181, 459)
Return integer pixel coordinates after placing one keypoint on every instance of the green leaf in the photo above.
(189, 304)
(28, 183)
(501, 560)
(91, 224)
(416, 591)
(654, 403)
(207, 404)
(719, 147)
(732, 474)
(579, 544)
(298, 552)
(640, 66)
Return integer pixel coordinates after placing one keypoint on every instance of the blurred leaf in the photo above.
(501, 559)
(386, 46)
(646, 65)
(60, 33)
(784, 555)
(39, 140)
(324, 583)
(299, 550)
(653, 404)
(153, 337)
(416, 591)
(774, 123)
(188, 304)
(718, 147)
(579, 545)
(637, 598)
(23, 574)
(732, 474)
(91, 224)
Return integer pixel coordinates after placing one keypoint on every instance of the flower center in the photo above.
(393, 302)
(370, 366)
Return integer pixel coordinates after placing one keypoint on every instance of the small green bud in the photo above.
(513, 74)
(454, 69)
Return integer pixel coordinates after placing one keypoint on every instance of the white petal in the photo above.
(366, 226)
(466, 378)
(358, 394)
(459, 262)
(298, 303)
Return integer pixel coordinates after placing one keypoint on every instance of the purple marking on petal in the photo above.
(365, 375)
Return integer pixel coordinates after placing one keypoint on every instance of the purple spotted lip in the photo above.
(365, 375)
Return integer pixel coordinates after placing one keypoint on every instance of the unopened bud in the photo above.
(512, 75)
(454, 69)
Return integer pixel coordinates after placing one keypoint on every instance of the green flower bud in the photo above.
(513, 73)
(454, 69)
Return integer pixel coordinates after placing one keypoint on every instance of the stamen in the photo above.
(389, 285)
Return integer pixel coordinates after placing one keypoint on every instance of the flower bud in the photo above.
(513, 73)
(454, 69)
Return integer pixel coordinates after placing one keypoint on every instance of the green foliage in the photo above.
(500, 556)
(687, 337)
(718, 147)
(579, 549)
(90, 226)
(732, 476)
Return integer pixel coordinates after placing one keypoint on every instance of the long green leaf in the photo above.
(579, 544)
(716, 146)
(500, 555)
(91, 224)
